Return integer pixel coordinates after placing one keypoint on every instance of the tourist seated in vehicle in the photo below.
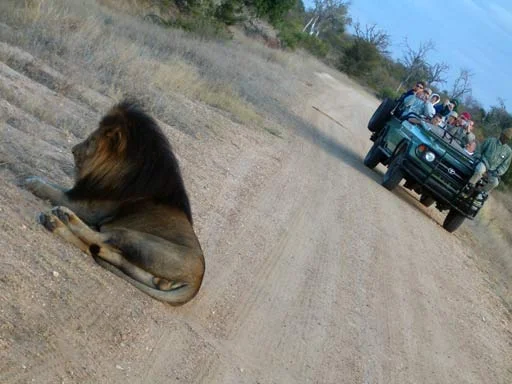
(429, 105)
(437, 120)
(451, 120)
(463, 126)
(447, 107)
(496, 156)
(416, 103)
(418, 87)
(470, 147)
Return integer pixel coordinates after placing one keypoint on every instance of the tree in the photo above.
(328, 16)
(370, 33)
(414, 61)
(497, 119)
(462, 84)
(476, 109)
(273, 9)
(360, 58)
(436, 73)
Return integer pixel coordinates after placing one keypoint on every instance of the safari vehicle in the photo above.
(430, 160)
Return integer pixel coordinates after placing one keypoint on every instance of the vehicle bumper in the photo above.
(441, 190)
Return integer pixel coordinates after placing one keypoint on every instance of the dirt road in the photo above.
(315, 273)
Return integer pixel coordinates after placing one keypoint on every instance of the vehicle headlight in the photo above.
(430, 156)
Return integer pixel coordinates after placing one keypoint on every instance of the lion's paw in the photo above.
(48, 221)
(64, 214)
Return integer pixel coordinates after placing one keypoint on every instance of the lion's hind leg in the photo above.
(120, 252)
(97, 245)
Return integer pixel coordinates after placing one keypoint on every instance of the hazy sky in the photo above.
(474, 34)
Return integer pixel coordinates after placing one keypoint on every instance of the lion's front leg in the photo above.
(92, 212)
(44, 190)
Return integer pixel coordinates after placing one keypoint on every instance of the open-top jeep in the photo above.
(431, 161)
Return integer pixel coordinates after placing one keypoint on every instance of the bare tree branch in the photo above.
(462, 84)
(437, 72)
(373, 35)
(415, 57)
(414, 61)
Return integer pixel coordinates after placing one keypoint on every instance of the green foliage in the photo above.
(289, 35)
(387, 92)
(275, 10)
(292, 37)
(229, 12)
(359, 58)
(201, 17)
(204, 26)
(506, 179)
(314, 45)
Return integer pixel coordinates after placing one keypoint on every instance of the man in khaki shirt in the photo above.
(496, 158)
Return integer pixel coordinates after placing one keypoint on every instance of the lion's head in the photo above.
(128, 158)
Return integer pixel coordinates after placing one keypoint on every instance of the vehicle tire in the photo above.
(394, 174)
(427, 200)
(453, 220)
(381, 115)
(374, 156)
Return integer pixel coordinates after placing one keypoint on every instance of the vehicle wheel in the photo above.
(394, 174)
(381, 115)
(453, 220)
(427, 200)
(374, 156)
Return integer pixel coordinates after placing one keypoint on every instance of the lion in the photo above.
(129, 188)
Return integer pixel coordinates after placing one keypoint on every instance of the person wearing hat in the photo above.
(495, 161)
(430, 111)
(451, 120)
(466, 116)
(463, 127)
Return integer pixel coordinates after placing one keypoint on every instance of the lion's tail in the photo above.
(175, 297)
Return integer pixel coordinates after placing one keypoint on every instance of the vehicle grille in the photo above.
(445, 172)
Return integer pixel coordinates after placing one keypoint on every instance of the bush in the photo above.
(273, 9)
(360, 58)
(292, 37)
(387, 92)
(229, 12)
(202, 26)
(314, 45)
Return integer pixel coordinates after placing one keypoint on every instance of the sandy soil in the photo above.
(315, 273)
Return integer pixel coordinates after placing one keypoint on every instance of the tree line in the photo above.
(362, 54)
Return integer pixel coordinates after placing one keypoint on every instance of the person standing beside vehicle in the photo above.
(495, 161)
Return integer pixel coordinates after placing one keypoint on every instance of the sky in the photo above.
(473, 34)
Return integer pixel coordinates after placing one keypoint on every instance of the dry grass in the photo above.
(120, 54)
(493, 236)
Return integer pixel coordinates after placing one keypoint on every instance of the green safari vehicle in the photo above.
(431, 161)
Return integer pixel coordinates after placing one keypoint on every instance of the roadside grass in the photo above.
(119, 54)
(493, 236)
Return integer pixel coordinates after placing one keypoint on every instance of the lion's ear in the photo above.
(116, 139)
